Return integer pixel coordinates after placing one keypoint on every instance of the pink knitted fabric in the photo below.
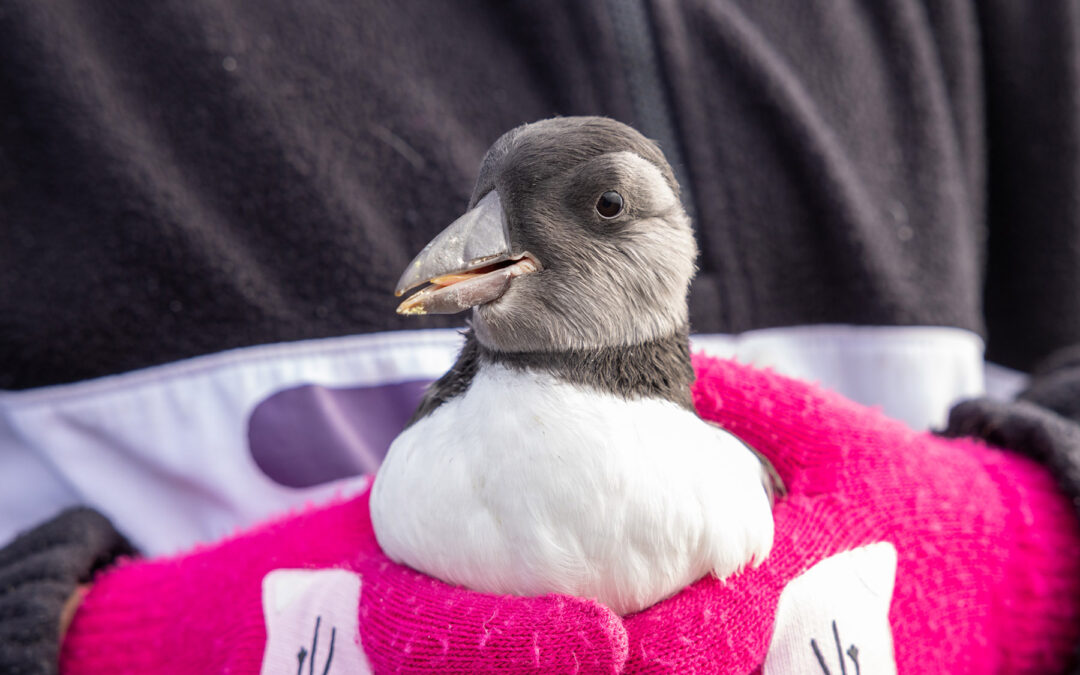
(988, 555)
(202, 613)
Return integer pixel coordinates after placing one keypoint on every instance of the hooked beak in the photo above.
(468, 264)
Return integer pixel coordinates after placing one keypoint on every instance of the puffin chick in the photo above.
(562, 452)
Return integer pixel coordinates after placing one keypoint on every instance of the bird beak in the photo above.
(468, 264)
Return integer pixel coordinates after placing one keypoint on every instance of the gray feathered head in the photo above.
(575, 238)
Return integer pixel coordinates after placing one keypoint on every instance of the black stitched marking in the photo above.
(330, 656)
(839, 648)
(853, 652)
(314, 646)
(820, 658)
(300, 656)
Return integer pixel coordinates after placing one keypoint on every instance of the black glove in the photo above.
(39, 571)
(1055, 383)
(1025, 428)
(1043, 424)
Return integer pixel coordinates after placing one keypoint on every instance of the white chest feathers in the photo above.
(527, 485)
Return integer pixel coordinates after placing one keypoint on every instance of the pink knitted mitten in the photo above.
(206, 612)
(895, 551)
(987, 550)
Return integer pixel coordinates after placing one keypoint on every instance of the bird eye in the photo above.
(610, 204)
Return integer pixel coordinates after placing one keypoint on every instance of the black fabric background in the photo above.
(182, 177)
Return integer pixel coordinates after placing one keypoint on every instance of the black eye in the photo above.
(610, 204)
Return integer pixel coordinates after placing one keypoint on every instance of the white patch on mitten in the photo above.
(312, 623)
(834, 618)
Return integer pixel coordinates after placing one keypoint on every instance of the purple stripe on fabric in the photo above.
(312, 434)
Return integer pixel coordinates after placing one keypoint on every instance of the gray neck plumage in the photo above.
(656, 369)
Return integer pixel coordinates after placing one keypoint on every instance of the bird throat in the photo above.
(655, 369)
(658, 368)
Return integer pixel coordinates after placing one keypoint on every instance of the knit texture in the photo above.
(987, 580)
(202, 613)
(39, 571)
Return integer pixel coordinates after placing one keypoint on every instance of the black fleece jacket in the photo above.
(184, 176)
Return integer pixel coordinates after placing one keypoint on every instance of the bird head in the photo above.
(575, 238)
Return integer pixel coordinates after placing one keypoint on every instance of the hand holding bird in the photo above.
(562, 455)
(984, 576)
